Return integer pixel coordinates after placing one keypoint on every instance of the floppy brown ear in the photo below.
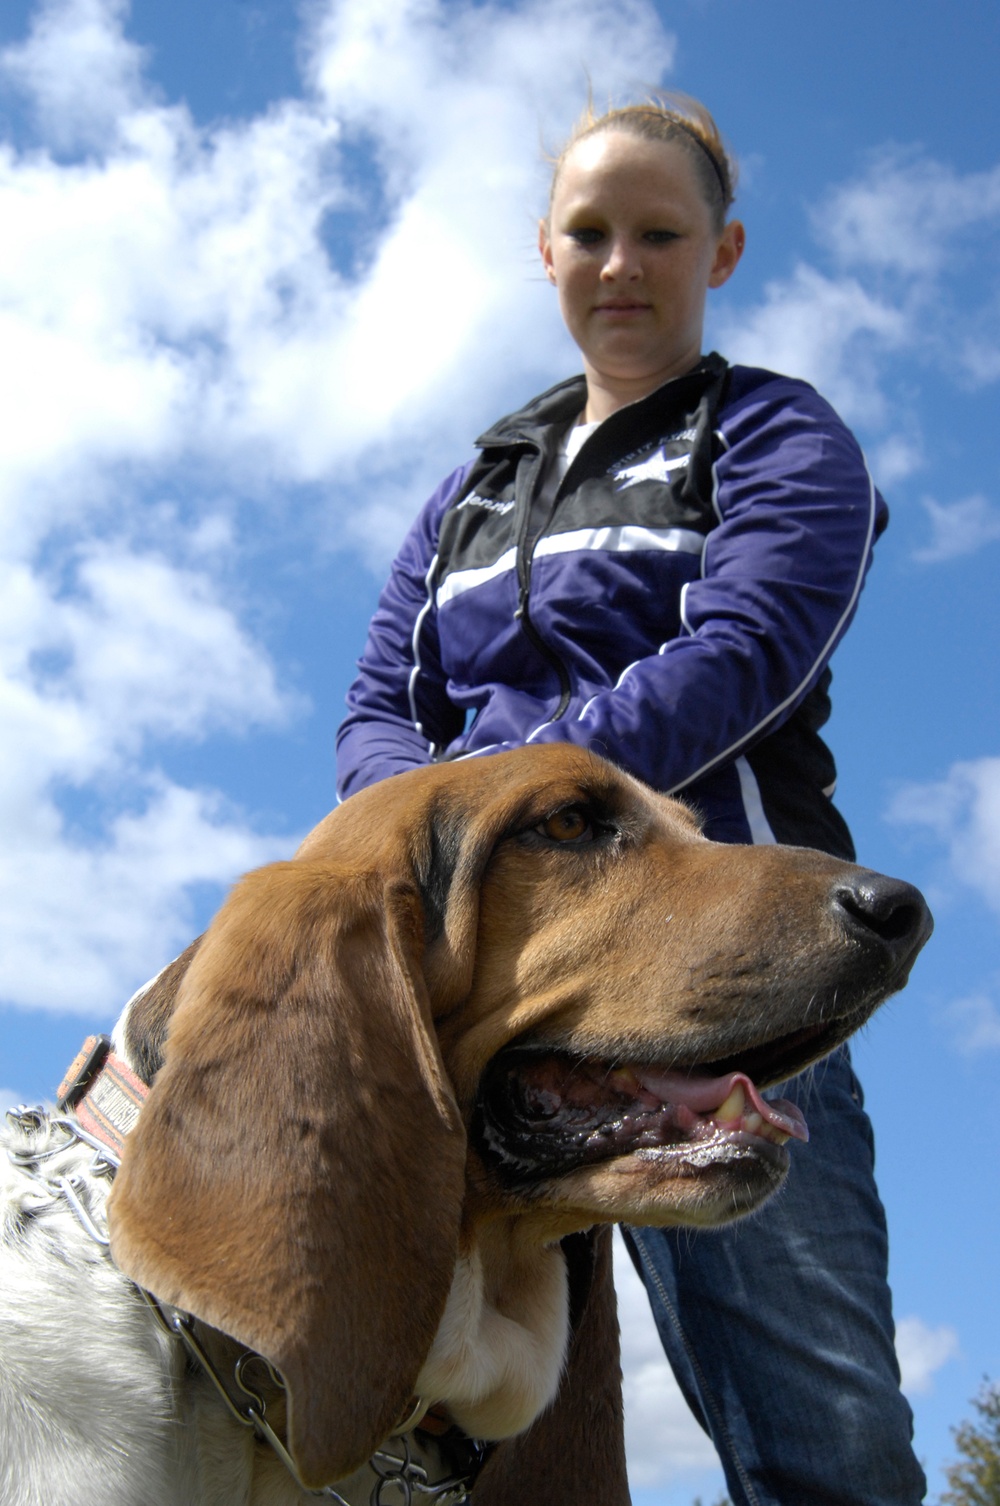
(296, 1176)
(575, 1451)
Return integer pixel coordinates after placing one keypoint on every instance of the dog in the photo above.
(401, 1089)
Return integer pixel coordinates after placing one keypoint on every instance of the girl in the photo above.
(656, 560)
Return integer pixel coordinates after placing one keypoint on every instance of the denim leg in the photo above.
(779, 1328)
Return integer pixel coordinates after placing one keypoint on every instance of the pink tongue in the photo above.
(703, 1094)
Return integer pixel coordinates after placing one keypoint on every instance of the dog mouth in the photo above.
(542, 1114)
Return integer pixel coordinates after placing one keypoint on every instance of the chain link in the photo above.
(404, 1473)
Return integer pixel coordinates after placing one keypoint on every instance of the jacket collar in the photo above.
(563, 403)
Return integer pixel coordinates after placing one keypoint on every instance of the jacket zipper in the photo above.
(522, 614)
(525, 548)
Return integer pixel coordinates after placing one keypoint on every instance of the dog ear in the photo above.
(296, 1176)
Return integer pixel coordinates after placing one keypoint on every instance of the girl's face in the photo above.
(631, 247)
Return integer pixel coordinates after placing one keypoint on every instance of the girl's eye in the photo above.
(569, 825)
(660, 237)
(586, 237)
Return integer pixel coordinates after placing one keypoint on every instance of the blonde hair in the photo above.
(667, 116)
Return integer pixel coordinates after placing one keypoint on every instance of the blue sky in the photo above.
(264, 272)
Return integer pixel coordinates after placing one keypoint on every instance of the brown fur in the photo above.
(302, 1175)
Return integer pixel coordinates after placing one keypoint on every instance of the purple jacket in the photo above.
(674, 608)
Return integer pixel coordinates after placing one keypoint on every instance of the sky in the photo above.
(265, 272)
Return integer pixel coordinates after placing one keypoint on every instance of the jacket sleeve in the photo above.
(399, 713)
(780, 580)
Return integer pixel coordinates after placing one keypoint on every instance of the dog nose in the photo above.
(886, 910)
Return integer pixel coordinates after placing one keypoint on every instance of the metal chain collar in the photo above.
(402, 1472)
(246, 1405)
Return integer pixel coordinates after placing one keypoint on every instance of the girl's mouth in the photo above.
(622, 306)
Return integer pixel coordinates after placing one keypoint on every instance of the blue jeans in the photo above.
(779, 1328)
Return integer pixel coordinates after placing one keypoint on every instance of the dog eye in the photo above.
(568, 825)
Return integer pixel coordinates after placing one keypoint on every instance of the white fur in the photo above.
(499, 1351)
(118, 1045)
(96, 1403)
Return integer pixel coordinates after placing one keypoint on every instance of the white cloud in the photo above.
(829, 331)
(976, 1021)
(959, 528)
(911, 283)
(661, 1435)
(153, 650)
(895, 458)
(138, 650)
(199, 311)
(980, 355)
(79, 72)
(922, 1351)
(905, 213)
(86, 922)
(172, 326)
(962, 812)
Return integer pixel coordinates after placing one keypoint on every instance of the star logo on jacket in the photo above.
(656, 467)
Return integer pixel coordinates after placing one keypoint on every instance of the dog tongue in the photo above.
(724, 1099)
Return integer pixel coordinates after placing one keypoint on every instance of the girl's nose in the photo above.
(622, 261)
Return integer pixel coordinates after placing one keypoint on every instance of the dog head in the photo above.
(522, 983)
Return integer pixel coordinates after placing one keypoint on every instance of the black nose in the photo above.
(886, 911)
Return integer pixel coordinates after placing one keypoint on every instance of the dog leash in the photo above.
(100, 1099)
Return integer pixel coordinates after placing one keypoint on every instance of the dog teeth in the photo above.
(764, 1130)
(733, 1106)
(625, 1080)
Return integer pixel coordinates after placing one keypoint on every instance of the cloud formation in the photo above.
(904, 281)
(922, 1351)
(907, 214)
(204, 328)
(831, 331)
(201, 312)
(976, 1022)
(79, 74)
(961, 813)
(959, 528)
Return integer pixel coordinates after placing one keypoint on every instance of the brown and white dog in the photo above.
(487, 1007)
